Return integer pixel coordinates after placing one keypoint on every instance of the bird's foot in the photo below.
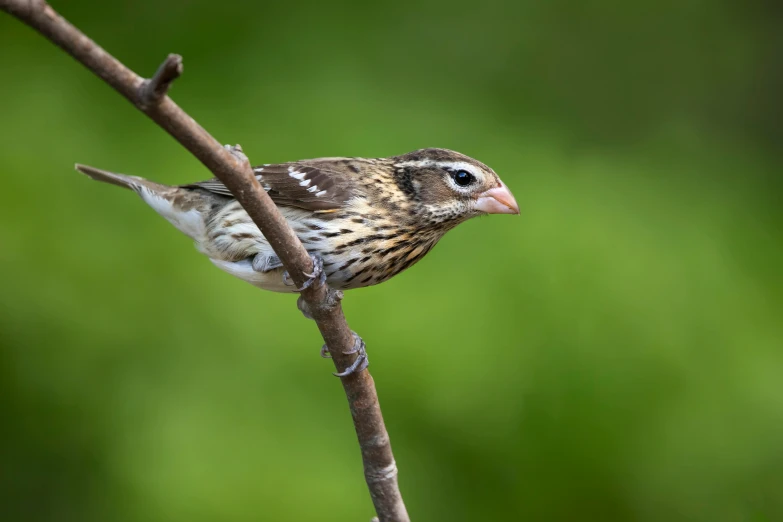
(318, 274)
(265, 263)
(361, 363)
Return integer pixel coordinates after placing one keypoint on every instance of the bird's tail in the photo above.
(181, 207)
(134, 183)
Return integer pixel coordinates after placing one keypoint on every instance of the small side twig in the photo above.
(233, 169)
(154, 89)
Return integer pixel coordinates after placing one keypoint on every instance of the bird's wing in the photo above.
(315, 188)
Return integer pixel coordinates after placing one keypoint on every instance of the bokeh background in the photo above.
(614, 354)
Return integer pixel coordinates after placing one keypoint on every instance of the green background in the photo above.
(614, 353)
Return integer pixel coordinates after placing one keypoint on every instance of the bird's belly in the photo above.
(358, 270)
(352, 256)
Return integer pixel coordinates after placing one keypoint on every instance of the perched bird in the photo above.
(363, 220)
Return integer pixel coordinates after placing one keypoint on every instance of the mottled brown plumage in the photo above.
(367, 219)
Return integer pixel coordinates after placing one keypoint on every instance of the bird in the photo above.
(366, 220)
(362, 220)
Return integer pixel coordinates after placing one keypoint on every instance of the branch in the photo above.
(233, 169)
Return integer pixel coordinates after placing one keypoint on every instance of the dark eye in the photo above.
(463, 178)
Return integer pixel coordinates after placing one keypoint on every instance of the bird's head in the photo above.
(448, 187)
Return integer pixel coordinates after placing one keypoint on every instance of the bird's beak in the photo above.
(498, 200)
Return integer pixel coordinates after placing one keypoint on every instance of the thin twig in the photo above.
(153, 90)
(323, 303)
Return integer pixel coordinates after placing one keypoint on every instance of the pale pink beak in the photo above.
(498, 200)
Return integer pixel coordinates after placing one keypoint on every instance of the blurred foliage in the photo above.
(615, 353)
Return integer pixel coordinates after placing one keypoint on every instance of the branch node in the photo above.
(332, 300)
(385, 473)
(152, 91)
(238, 154)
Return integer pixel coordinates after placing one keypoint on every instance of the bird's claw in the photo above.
(361, 363)
(317, 274)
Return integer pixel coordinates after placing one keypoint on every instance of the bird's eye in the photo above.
(463, 178)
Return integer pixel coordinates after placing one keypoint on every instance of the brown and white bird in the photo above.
(366, 220)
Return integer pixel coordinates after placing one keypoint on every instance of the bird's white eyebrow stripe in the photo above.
(452, 165)
(417, 163)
